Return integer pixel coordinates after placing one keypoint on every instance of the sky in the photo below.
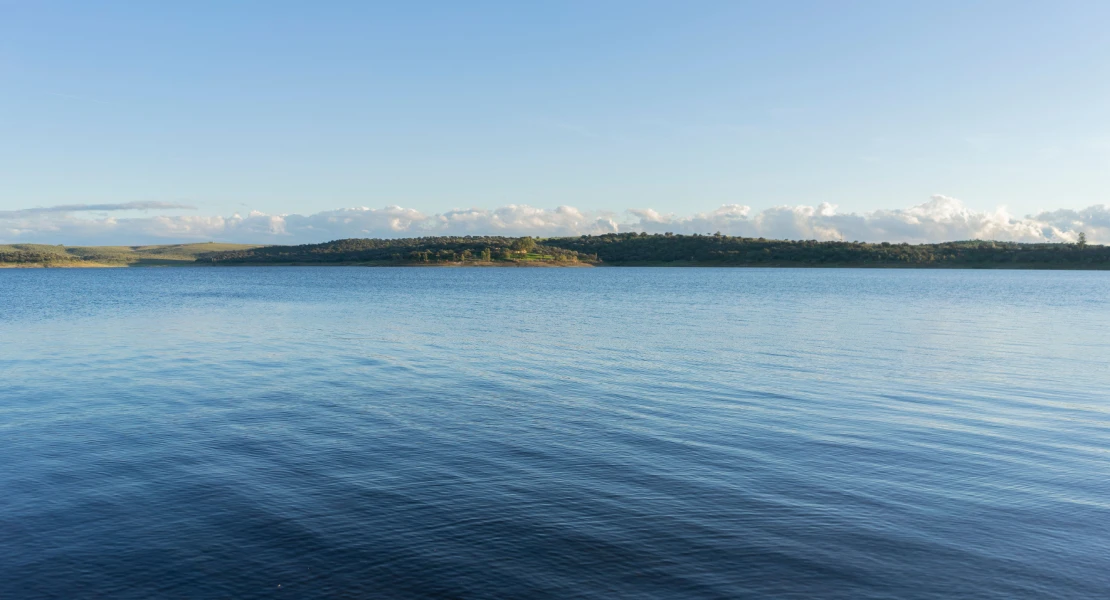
(128, 122)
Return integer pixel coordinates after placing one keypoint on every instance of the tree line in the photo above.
(662, 249)
(629, 249)
(642, 248)
(426, 250)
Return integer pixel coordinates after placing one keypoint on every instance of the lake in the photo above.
(342, 432)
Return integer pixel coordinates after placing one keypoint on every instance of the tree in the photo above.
(524, 244)
(1082, 239)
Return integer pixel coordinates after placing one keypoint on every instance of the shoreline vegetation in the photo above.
(625, 249)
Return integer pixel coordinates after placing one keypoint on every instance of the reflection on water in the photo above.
(651, 433)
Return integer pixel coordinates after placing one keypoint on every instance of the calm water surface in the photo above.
(554, 433)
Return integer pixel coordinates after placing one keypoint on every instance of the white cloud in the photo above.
(69, 208)
(940, 219)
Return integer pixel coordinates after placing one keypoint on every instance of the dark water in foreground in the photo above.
(554, 433)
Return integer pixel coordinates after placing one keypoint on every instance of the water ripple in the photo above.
(586, 433)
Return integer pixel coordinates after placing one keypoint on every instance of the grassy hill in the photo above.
(42, 255)
(443, 250)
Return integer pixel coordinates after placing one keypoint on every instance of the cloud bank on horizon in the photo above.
(71, 208)
(940, 219)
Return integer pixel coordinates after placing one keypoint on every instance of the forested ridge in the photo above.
(609, 249)
(631, 248)
(426, 250)
(664, 249)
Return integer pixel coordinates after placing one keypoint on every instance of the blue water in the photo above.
(554, 433)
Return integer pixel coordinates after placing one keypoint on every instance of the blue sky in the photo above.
(680, 107)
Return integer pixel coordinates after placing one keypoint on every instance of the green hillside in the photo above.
(42, 255)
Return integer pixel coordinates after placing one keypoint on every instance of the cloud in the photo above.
(69, 208)
(940, 219)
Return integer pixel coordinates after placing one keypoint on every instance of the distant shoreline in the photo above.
(538, 265)
(610, 250)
